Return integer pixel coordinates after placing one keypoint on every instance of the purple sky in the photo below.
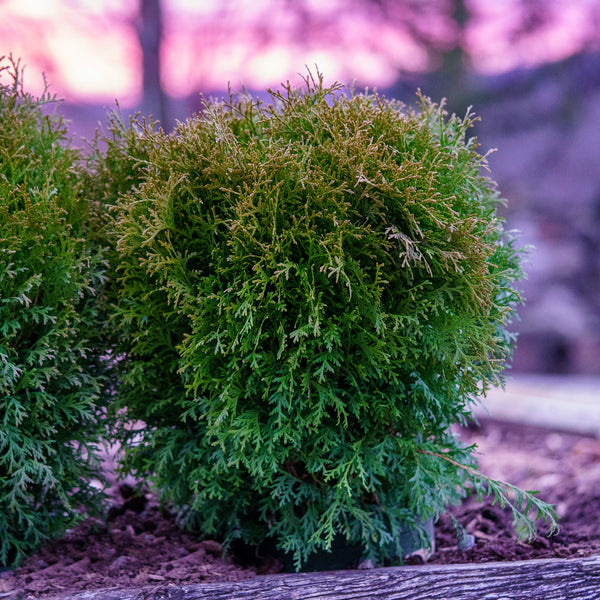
(89, 48)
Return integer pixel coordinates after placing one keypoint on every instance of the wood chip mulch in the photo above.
(139, 545)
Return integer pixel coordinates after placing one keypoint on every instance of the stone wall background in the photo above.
(547, 165)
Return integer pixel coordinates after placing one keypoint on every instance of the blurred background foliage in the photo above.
(530, 68)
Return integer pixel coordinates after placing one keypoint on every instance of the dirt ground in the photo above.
(140, 545)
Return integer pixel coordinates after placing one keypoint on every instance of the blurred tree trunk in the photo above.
(150, 37)
(454, 73)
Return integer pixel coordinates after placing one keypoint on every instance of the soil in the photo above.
(137, 544)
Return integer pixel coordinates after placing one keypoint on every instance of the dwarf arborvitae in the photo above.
(50, 371)
(309, 294)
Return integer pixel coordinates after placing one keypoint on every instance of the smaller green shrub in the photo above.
(309, 294)
(50, 371)
(116, 163)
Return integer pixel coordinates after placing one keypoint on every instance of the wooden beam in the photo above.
(550, 579)
(568, 403)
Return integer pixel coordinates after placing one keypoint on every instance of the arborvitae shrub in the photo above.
(49, 369)
(115, 164)
(310, 294)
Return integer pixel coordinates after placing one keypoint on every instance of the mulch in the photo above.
(137, 544)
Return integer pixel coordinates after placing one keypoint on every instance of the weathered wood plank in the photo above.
(569, 403)
(554, 579)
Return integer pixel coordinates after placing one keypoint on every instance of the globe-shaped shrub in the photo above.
(311, 293)
(50, 373)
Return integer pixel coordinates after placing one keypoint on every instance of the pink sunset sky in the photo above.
(90, 53)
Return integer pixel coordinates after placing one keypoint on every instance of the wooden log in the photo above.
(550, 579)
(568, 403)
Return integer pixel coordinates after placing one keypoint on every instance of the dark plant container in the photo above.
(349, 556)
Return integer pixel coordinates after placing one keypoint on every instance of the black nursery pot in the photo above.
(348, 556)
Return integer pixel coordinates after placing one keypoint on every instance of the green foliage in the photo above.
(50, 374)
(116, 162)
(309, 294)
